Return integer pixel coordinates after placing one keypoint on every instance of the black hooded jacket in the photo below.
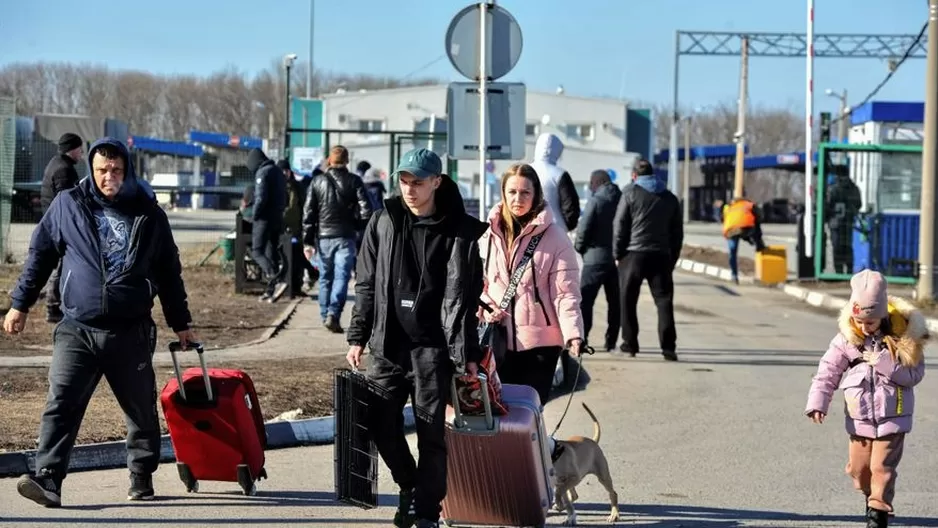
(60, 175)
(270, 189)
(446, 241)
(595, 229)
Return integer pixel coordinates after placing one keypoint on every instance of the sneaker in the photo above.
(141, 487)
(264, 298)
(279, 289)
(42, 488)
(669, 355)
(405, 515)
(423, 523)
(626, 350)
(332, 324)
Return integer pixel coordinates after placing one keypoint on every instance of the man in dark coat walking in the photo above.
(60, 175)
(594, 242)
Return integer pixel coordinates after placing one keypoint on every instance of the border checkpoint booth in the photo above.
(886, 236)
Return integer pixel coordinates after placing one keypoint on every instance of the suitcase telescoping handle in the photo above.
(174, 347)
(458, 421)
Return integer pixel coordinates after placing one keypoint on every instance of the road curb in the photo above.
(815, 298)
(110, 455)
(279, 323)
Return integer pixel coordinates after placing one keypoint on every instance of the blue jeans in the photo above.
(733, 243)
(336, 263)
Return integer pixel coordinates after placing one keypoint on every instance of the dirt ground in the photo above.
(715, 257)
(220, 317)
(282, 385)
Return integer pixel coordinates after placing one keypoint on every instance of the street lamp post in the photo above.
(288, 61)
(844, 114)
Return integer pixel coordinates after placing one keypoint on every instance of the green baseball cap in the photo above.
(420, 162)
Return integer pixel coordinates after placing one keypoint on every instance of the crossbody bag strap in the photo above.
(519, 271)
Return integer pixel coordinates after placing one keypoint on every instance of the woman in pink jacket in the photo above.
(880, 347)
(543, 316)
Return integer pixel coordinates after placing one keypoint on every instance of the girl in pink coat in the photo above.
(543, 316)
(880, 348)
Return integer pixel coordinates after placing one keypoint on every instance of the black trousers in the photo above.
(593, 278)
(424, 375)
(842, 246)
(657, 269)
(80, 357)
(265, 250)
(534, 368)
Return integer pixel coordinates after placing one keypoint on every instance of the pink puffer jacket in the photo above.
(547, 304)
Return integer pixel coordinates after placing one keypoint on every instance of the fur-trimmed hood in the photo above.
(908, 331)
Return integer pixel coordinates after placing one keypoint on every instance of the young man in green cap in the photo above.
(416, 298)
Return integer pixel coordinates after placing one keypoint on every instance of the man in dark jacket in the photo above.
(337, 209)
(647, 239)
(594, 242)
(60, 175)
(416, 298)
(293, 222)
(117, 253)
(270, 200)
(843, 206)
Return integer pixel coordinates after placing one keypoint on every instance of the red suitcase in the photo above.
(499, 469)
(215, 425)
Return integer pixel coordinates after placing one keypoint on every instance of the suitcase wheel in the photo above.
(187, 478)
(246, 480)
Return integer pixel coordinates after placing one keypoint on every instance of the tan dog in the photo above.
(575, 458)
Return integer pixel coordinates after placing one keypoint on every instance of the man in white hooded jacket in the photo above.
(559, 190)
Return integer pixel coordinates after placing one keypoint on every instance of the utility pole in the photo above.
(926, 243)
(309, 71)
(685, 179)
(741, 124)
(844, 116)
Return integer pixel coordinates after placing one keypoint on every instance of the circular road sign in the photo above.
(503, 47)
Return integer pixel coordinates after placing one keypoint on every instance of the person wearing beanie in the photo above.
(60, 175)
(594, 242)
(362, 167)
(337, 209)
(877, 358)
(270, 201)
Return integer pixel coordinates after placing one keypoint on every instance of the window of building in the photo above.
(530, 129)
(583, 132)
(371, 125)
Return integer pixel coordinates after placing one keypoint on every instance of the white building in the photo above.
(593, 130)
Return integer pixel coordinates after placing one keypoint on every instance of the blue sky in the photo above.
(591, 47)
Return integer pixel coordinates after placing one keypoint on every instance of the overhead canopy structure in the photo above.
(165, 147)
(219, 140)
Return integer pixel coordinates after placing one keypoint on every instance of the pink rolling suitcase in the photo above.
(499, 467)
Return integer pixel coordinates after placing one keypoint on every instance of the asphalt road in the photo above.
(716, 440)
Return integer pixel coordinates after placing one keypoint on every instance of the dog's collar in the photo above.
(558, 450)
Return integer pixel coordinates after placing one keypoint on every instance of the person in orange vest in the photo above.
(741, 221)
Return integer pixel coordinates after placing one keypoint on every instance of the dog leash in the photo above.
(584, 350)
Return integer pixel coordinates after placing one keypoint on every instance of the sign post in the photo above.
(483, 43)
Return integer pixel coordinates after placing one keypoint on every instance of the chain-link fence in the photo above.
(7, 167)
(867, 211)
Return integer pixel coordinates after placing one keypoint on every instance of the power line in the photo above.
(892, 71)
